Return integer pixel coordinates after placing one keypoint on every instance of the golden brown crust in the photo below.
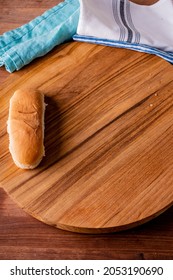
(26, 128)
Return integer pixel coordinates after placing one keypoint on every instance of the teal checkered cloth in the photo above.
(20, 46)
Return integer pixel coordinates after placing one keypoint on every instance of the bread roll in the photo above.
(25, 127)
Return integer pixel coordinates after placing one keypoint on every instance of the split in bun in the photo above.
(25, 127)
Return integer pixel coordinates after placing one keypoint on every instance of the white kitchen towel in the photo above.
(124, 24)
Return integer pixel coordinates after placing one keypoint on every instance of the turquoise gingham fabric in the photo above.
(20, 46)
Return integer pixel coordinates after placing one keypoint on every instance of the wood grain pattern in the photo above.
(23, 237)
(14, 14)
(108, 163)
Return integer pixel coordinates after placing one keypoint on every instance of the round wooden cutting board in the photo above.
(108, 139)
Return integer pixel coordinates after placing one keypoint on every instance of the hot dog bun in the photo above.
(25, 127)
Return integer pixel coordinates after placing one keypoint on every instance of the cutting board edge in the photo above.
(85, 230)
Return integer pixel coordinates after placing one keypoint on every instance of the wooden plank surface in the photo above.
(124, 252)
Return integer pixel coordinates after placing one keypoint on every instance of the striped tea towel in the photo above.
(20, 46)
(124, 24)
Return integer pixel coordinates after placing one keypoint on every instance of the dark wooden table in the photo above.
(23, 237)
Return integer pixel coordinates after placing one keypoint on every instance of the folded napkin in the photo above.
(124, 24)
(116, 23)
(20, 46)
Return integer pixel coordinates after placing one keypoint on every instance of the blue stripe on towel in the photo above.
(168, 56)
